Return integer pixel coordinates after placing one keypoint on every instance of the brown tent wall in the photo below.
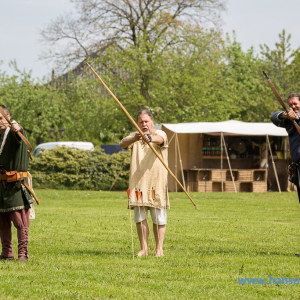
(191, 155)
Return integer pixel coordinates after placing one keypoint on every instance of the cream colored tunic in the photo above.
(147, 172)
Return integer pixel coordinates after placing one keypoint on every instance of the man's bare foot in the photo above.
(142, 253)
(159, 253)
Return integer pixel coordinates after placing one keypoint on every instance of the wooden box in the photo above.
(204, 186)
(217, 186)
(259, 186)
(245, 175)
(204, 175)
(260, 175)
(235, 174)
(192, 186)
(229, 187)
(216, 175)
(246, 187)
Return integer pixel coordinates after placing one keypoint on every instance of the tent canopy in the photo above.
(229, 127)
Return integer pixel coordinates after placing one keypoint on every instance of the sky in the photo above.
(255, 22)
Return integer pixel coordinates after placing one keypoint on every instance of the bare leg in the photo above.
(159, 238)
(142, 227)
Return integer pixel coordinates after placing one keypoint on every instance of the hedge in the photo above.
(68, 168)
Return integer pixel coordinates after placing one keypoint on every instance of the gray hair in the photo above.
(6, 110)
(144, 112)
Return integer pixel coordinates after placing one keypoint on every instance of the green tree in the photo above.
(278, 63)
(245, 88)
(37, 107)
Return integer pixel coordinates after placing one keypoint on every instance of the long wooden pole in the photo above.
(176, 171)
(128, 194)
(273, 163)
(180, 161)
(229, 164)
(142, 134)
(171, 138)
(222, 160)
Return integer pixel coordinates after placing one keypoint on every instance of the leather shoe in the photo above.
(22, 258)
(297, 254)
(6, 258)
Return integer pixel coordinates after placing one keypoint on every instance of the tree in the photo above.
(245, 91)
(100, 23)
(278, 63)
(36, 106)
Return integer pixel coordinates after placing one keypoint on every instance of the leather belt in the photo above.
(13, 176)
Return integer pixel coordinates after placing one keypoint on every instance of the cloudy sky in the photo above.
(254, 21)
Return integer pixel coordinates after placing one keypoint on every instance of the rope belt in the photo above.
(13, 176)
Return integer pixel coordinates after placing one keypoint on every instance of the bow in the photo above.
(142, 134)
(280, 100)
(22, 137)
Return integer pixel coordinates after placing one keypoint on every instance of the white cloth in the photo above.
(161, 215)
(147, 173)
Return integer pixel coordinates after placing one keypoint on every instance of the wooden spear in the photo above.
(142, 134)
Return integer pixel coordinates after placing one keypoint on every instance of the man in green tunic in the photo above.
(15, 200)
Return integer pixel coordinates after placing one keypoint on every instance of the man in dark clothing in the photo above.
(15, 200)
(284, 119)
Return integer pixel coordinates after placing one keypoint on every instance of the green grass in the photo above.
(80, 248)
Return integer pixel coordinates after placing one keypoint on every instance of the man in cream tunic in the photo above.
(149, 177)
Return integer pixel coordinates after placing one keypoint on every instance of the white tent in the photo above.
(231, 127)
(188, 140)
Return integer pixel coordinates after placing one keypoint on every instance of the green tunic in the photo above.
(14, 157)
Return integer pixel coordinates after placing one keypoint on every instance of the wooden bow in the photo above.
(142, 134)
(22, 137)
(280, 100)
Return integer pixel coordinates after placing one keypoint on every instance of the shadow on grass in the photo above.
(229, 252)
(93, 252)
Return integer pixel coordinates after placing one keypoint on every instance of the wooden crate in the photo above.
(204, 186)
(235, 174)
(229, 187)
(204, 175)
(245, 175)
(217, 186)
(192, 175)
(192, 186)
(246, 187)
(216, 175)
(259, 186)
(260, 175)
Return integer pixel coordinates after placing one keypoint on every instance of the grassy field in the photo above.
(80, 248)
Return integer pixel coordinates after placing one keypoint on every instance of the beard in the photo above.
(145, 131)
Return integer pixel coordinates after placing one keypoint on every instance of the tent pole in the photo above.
(222, 160)
(229, 164)
(171, 138)
(176, 162)
(183, 181)
(273, 163)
